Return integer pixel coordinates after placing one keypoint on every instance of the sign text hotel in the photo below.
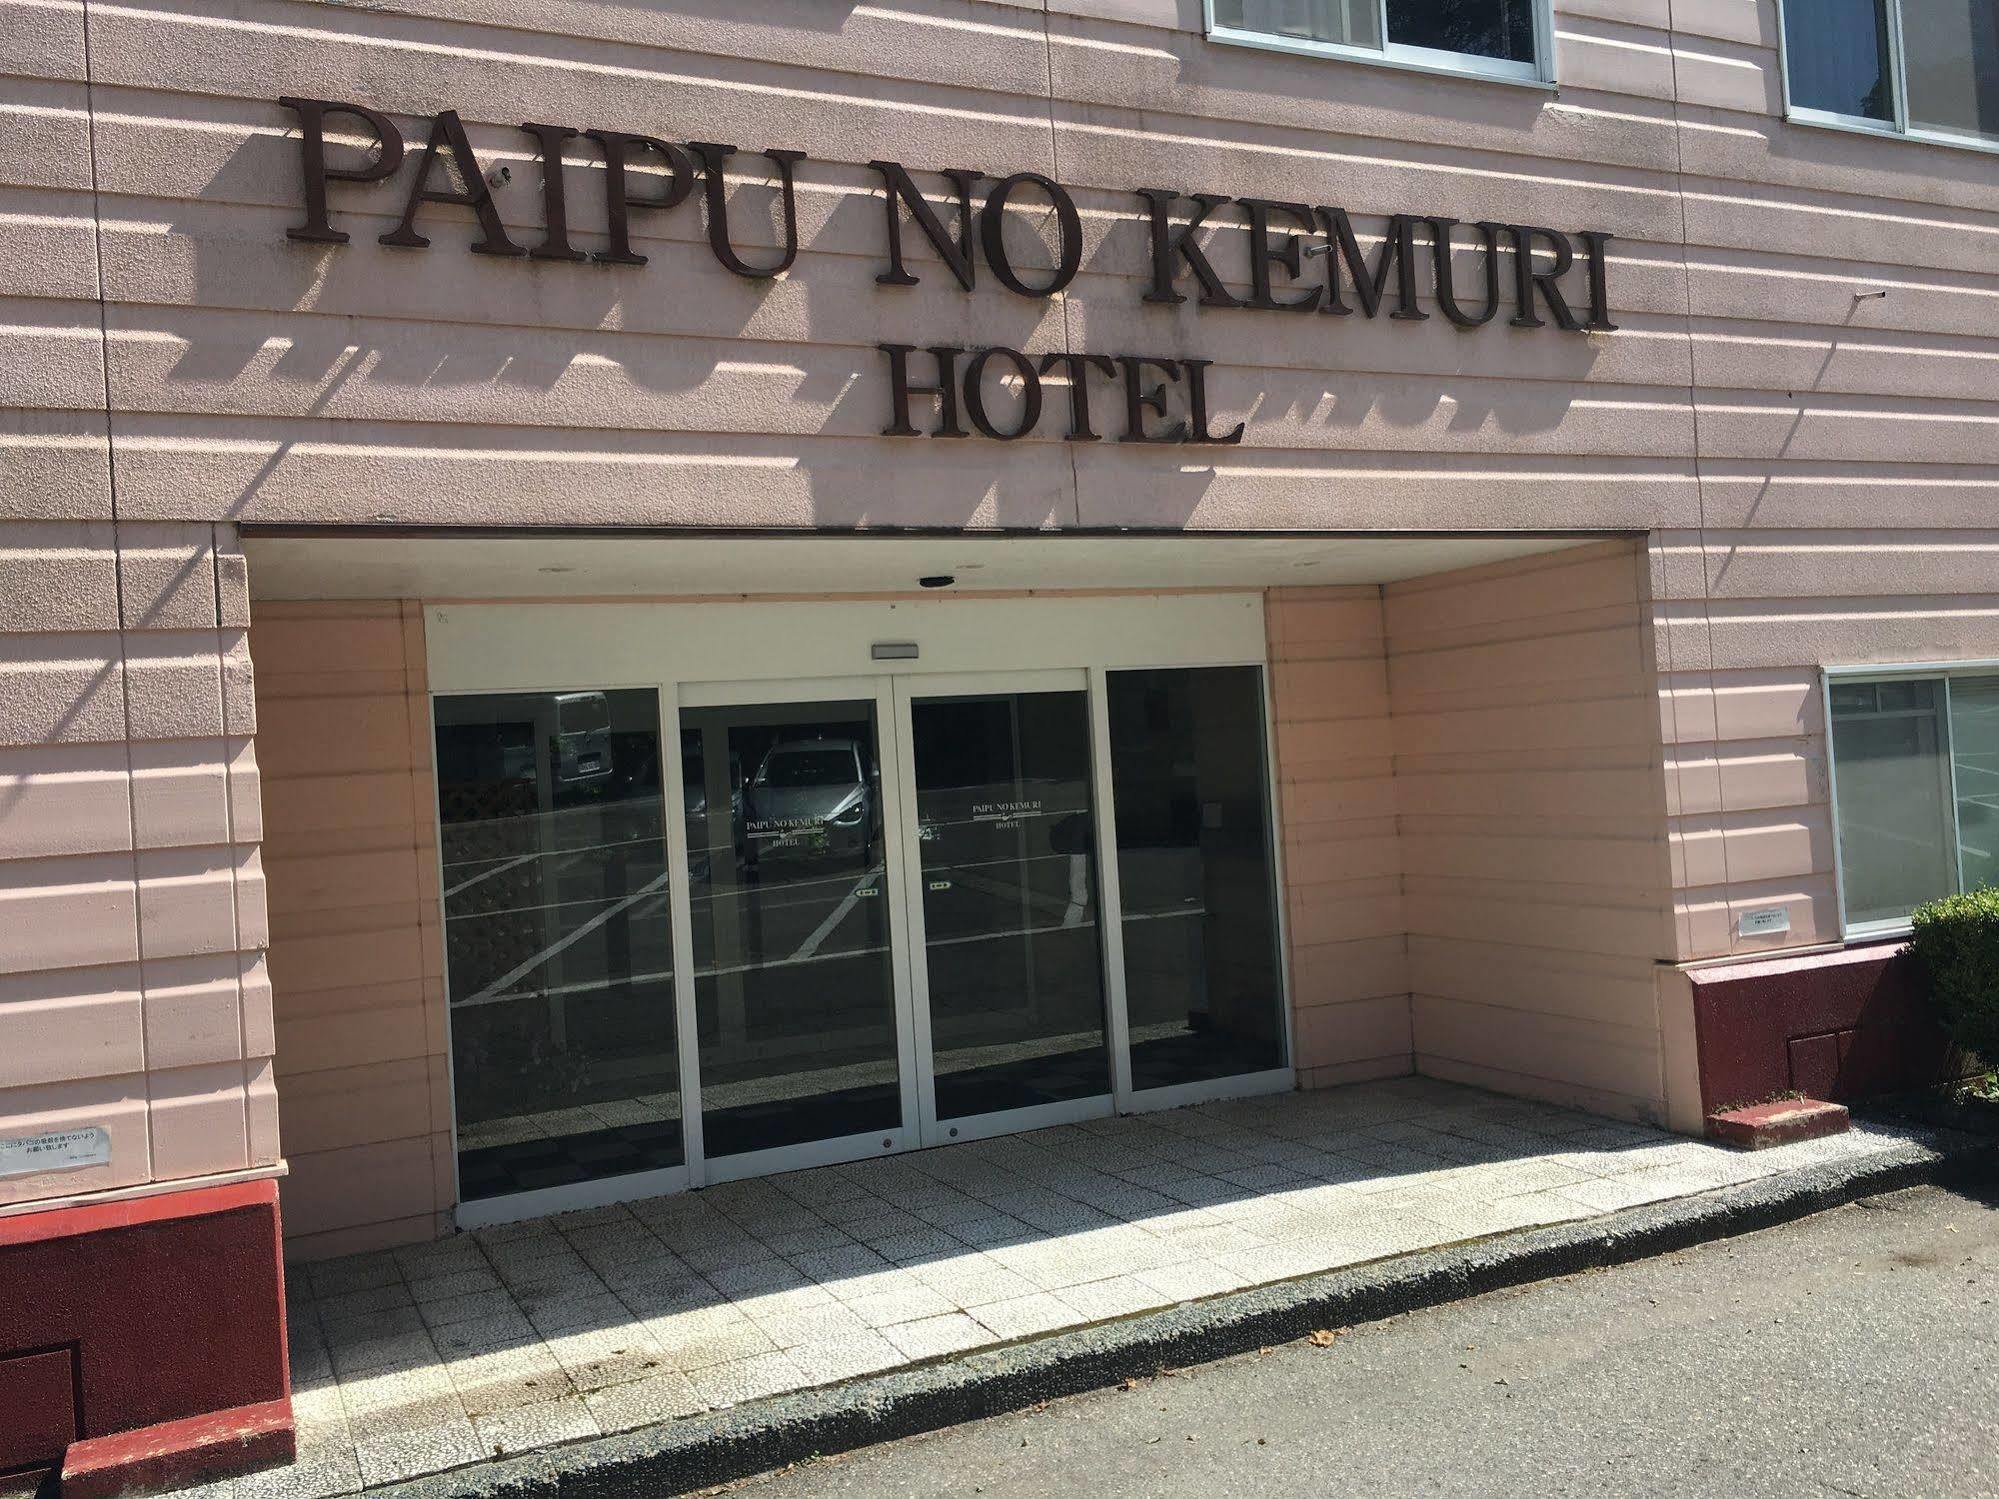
(1157, 400)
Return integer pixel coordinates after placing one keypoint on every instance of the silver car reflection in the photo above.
(810, 798)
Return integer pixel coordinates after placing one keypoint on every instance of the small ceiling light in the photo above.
(936, 580)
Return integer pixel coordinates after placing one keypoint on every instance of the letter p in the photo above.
(388, 156)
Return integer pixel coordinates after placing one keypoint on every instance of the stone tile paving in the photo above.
(415, 1360)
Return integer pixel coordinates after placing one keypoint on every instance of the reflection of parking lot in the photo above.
(788, 911)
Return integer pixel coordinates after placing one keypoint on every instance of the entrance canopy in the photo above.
(440, 566)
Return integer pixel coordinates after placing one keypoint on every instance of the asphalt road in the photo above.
(1854, 1353)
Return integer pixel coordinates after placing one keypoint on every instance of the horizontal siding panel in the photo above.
(48, 243)
(1617, 1060)
(1580, 986)
(1807, 221)
(42, 39)
(402, 60)
(1784, 496)
(1794, 357)
(1855, 564)
(1734, 147)
(44, 133)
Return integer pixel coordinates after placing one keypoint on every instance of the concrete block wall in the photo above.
(133, 987)
(363, 1045)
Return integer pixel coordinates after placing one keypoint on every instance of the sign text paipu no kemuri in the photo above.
(944, 390)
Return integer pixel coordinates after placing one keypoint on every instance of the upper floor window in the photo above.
(1915, 770)
(1490, 38)
(1927, 68)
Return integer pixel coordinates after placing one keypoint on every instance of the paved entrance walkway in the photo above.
(421, 1359)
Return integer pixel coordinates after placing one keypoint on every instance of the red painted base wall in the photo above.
(125, 1315)
(1837, 1025)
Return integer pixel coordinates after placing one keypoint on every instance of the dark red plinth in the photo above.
(1840, 1025)
(144, 1340)
(179, 1454)
(1765, 1124)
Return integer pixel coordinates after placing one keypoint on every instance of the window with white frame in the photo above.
(1926, 68)
(1915, 770)
(1494, 38)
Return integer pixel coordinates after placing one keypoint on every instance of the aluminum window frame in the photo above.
(1898, 128)
(1539, 74)
(1943, 672)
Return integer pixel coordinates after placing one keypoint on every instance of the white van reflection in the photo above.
(810, 798)
(579, 727)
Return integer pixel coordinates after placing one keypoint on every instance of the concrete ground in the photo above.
(1852, 1353)
(537, 1335)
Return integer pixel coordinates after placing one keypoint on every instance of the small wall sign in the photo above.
(59, 1150)
(1765, 921)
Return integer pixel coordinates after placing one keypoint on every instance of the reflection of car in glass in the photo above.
(579, 731)
(810, 798)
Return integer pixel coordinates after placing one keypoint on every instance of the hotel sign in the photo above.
(943, 390)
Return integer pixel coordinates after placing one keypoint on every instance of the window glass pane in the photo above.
(1009, 872)
(1952, 62)
(1202, 987)
(1902, 694)
(1350, 23)
(794, 992)
(556, 938)
(1894, 812)
(1477, 28)
(1974, 745)
(1836, 54)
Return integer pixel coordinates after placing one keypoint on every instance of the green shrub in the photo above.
(1957, 942)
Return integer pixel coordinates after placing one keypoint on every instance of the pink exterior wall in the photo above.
(1336, 817)
(1532, 831)
(1473, 829)
(350, 809)
(1816, 473)
(133, 992)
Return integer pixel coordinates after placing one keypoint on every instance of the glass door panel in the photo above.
(556, 938)
(1007, 879)
(1204, 996)
(794, 985)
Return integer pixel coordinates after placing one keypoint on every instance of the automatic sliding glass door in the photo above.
(898, 926)
(1011, 1020)
(800, 1024)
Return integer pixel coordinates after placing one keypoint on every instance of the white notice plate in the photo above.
(60, 1150)
(1766, 921)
